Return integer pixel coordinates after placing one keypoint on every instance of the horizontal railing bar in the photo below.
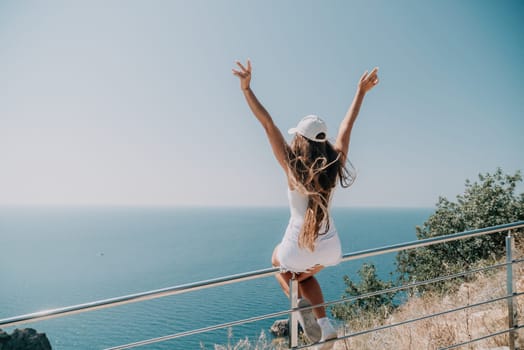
(199, 330)
(413, 320)
(133, 298)
(159, 293)
(413, 285)
(516, 261)
(430, 241)
(491, 335)
(65, 311)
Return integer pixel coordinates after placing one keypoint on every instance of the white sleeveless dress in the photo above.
(327, 252)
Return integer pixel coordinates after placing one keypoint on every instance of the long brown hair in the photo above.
(314, 168)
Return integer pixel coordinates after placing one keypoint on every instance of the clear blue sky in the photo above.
(133, 102)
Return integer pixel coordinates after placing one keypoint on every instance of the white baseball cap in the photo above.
(310, 127)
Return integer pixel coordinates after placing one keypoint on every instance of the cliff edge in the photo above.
(24, 339)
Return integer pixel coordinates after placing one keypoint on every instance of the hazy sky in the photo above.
(134, 103)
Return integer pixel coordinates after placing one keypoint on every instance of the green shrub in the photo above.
(489, 202)
(365, 307)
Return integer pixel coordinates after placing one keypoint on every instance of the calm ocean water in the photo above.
(53, 257)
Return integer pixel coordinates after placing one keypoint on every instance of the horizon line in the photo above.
(200, 206)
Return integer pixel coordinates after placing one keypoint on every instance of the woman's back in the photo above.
(298, 203)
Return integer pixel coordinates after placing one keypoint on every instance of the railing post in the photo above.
(509, 287)
(293, 319)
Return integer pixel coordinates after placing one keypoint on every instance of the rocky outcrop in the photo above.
(280, 328)
(24, 339)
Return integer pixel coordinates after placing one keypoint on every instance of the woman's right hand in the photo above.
(244, 74)
(368, 81)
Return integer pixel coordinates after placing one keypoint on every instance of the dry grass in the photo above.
(441, 331)
(451, 328)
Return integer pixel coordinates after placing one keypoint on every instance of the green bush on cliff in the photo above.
(490, 201)
(371, 306)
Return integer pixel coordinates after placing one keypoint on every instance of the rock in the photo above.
(24, 339)
(4, 338)
(280, 328)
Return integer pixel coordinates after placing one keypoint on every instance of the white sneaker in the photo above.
(308, 321)
(328, 333)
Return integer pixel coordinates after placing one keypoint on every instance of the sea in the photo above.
(52, 257)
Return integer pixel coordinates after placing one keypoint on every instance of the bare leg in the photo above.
(310, 289)
(308, 286)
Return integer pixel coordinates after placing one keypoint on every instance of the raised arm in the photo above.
(366, 83)
(277, 141)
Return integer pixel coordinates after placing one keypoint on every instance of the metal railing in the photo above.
(510, 296)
